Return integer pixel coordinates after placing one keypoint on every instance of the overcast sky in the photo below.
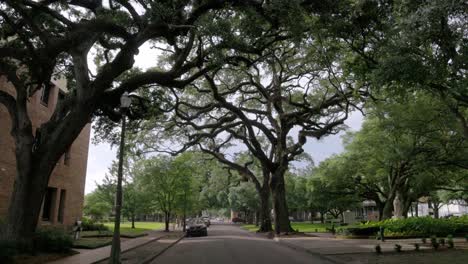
(100, 156)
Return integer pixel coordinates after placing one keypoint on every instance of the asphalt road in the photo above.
(229, 244)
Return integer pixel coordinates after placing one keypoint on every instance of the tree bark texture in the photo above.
(264, 214)
(166, 221)
(280, 207)
(387, 211)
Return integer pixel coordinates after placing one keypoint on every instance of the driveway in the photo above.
(229, 244)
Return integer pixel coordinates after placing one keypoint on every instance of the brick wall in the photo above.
(69, 177)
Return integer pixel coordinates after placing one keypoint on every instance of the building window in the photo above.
(63, 194)
(67, 157)
(45, 95)
(49, 204)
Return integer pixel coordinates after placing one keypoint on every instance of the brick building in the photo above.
(63, 202)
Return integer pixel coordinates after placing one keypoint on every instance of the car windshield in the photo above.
(196, 222)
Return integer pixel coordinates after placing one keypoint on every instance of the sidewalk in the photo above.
(96, 255)
(340, 250)
(332, 246)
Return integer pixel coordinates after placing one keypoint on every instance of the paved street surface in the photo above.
(229, 244)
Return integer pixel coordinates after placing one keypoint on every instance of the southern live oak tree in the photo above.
(404, 151)
(42, 39)
(270, 104)
(411, 46)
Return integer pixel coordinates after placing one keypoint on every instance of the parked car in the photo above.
(196, 228)
(237, 220)
(207, 221)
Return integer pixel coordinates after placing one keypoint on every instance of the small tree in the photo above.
(134, 201)
(162, 179)
(95, 207)
(244, 198)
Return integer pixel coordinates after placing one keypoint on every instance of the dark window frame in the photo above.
(48, 206)
(45, 95)
(61, 208)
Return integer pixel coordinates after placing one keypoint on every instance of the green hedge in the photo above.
(365, 231)
(91, 225)
(52, 240)
(410, 227)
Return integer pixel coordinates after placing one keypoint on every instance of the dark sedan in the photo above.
(197, 228)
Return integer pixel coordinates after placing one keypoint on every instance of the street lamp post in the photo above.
(125, 102)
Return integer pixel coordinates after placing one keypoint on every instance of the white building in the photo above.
(453, 208)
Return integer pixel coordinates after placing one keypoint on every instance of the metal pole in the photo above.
(115, 250)
(185, 210)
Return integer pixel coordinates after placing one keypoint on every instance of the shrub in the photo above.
(378, 249)
(418, 226)
(434, 242)
(360, 230)
(397, 247)
(7, 250)
(90, 225)
(416, 247)
(52, 240)
(442, 241)
(450, 241)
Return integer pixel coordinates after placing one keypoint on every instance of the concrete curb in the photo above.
(132, 248)
(299, 248)
(148, 260)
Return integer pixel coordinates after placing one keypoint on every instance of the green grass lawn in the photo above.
(96, 239)
(126, 230)
(140, 227)
(92, 242)
(302, 227)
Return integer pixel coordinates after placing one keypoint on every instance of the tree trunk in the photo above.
(257, 216)
(281, 214)
(166, 221)
(380, 207)
(25, 205)
(416, 211)
(133, 221)
(265, 219)
(387, 212)
(29, 188)
(36, 157)
(407, 205)
(436, 207)
(322, 217)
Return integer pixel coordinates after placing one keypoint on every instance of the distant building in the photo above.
(452, 208)
(63, 202)
(369, 211)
